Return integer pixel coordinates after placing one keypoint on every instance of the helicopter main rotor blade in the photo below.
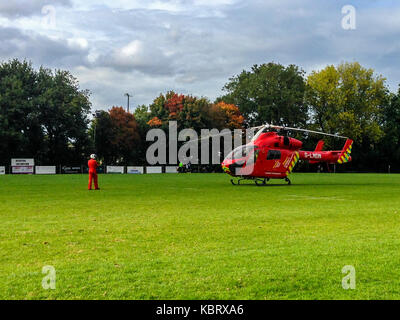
(260, 129)
(309, 131)
(210, 136)
(221, 134)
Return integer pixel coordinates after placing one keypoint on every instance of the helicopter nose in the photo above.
(225, 166)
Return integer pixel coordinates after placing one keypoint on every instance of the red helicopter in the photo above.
(272, 156)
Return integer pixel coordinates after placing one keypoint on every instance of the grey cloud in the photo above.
(40, 49)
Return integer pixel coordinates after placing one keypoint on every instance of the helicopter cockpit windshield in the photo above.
(241, 152)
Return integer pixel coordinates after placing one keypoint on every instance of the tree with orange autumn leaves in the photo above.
(125, 128)
(232, 116)
(116, 135)
(154, 122)
(193, 112)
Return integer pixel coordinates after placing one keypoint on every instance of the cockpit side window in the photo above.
(274, 155)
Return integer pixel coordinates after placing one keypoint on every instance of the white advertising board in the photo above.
(115, 169)
(2, 170)
(153, 170)
(45, 170)
(22, 166)
(71, 170)
(171, 170)
(22, 162)
(134, 170)
(22, 170)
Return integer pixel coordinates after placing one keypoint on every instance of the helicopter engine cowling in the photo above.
(284, 142)
(294, 144)
(273, 140)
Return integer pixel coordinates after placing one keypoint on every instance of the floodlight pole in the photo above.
(128, 95)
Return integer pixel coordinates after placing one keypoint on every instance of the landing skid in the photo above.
(258, 181)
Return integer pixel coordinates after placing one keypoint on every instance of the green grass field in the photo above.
(195, 236)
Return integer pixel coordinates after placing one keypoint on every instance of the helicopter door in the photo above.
(273, 161)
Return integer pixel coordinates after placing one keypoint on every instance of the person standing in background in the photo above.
(180, 167)
(93, 164)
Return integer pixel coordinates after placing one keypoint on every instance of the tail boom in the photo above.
(331, 157)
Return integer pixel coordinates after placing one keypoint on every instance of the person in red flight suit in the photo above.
(93, 164)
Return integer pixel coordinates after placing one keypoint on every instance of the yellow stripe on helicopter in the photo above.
(293, 163)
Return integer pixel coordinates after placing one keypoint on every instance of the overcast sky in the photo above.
(146, 47)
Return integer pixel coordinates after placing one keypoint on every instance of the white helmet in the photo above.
(92, 156)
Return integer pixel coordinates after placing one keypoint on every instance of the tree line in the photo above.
(45, 114)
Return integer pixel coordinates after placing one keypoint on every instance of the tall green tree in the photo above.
(269, 93)
(142, 116)
(103, 133)
(63, 114)
(43, 114)
(390, 144)
(348, 100)
(20, 130)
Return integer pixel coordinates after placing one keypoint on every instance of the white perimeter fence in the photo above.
(42, 170)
